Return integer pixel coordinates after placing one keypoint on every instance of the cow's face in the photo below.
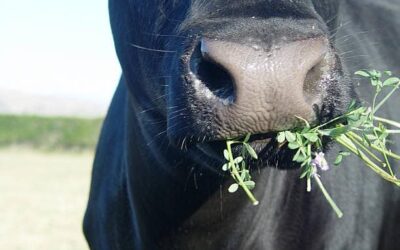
(254, 66)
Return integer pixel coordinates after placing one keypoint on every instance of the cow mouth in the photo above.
(268, 150)
(259, 142)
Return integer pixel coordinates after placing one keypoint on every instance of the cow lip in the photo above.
(257, 141)
(262, 137)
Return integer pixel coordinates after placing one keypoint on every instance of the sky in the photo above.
(58, 47)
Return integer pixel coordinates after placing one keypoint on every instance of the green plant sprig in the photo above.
(237, 167)
(359, 131)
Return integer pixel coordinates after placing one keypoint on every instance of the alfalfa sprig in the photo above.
(359, 131)
(238, 169)
(308, 145)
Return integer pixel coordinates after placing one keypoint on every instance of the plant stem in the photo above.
(388, 165)
(344, 141)
(373, 104)
(331, 121)
(391, 131)
(328, 197)
(237, 177)
(390, 122)
(365, 148)
(388, 153)
(386, 98)
(357, 139)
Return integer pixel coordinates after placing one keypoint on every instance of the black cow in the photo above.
(197, 72)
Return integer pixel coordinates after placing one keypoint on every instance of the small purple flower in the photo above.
(320, 161)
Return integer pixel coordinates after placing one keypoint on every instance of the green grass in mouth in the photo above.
(359, 131)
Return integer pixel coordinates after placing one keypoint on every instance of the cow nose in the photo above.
(260, 90)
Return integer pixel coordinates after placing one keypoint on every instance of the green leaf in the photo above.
(376, 143)
(281, 137)
(338, 160)
(290, 137)
(225, 167)
(243, 165)
(238, 160)
(312, 137)
(296, 156)
(245, 175)
(299, 139)
(391, 81)
(250, 184)
(251, 151)
(301, 158)
(233, 188)
(334, 132)
(357, 119)
(305, 130)
(375, 74)
(370, 137)
(354, 117)
(304, 174)
(375, 82)
(247, 138)
(363, 73)
(306, 162)
(226, 154)
(388, 72)
(352, 105)
(344, 153)
(293, 145)
(366, 140)
(300, 155)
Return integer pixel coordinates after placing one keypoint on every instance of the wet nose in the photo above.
(260, 90)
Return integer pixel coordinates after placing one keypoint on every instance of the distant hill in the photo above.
(16, 102)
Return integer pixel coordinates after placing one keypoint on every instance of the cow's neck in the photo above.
(281, 217)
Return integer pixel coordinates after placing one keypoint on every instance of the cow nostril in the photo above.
(313, 83)
(214, 76)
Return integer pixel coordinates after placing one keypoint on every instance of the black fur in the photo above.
(157, 182)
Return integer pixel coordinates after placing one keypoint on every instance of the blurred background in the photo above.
(58, 72)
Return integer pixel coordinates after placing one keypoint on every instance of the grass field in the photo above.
(49, 133)
(45, 165)
(42, 199)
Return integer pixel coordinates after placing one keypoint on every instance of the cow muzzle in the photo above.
(251, 89)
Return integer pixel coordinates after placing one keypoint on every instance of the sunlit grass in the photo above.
(49, 133)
